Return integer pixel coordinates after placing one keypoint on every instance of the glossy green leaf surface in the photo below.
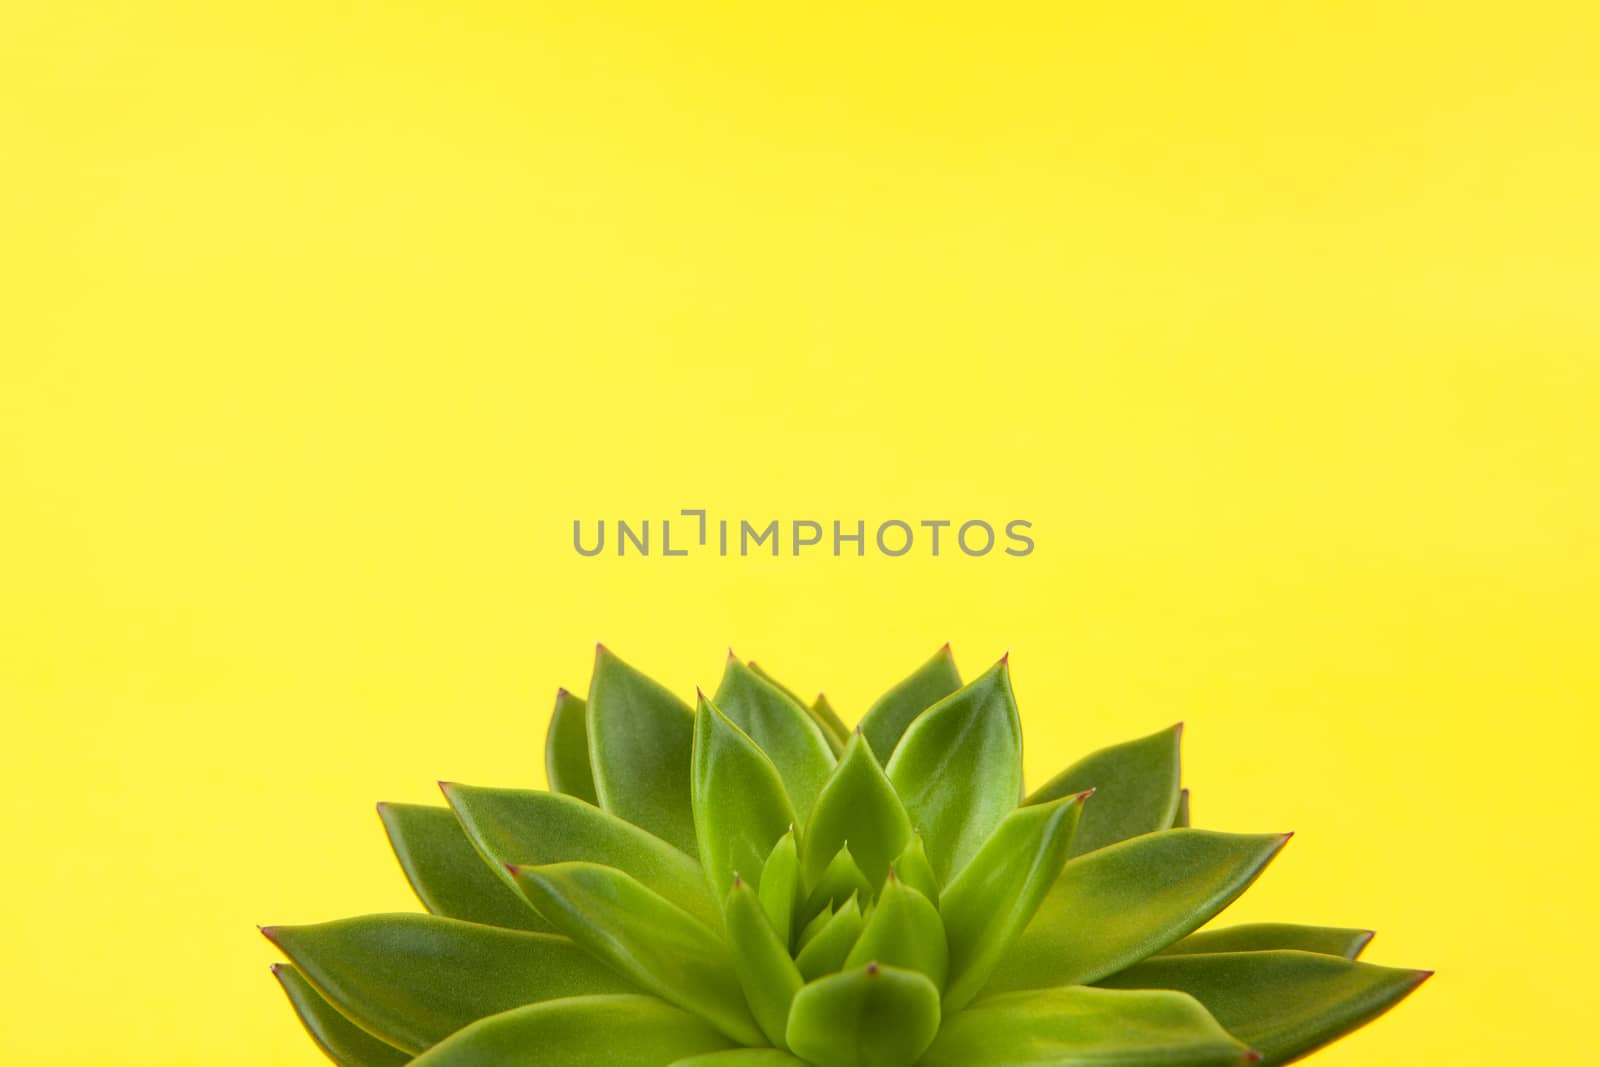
(529, 827)
(640, 741)
(415, 979)
(743, 1057)
(740, 806)
(1119, 904)
(766, 970)
(1264, 937)
(991, 902)
(1136, 789)
(826, 951)
(780, 887)
(341, 1040)
(613, 1031)
(566, 749)
(654, 943)
(959, 769)
(873, 1016)
(783, 728)
(447, 873)
(912, 868)
(1080, 1027)
(859, 805)
(833, 730)
(839, 882)
(903, 930)
(890, 715)
(1284, 1003)
(832, 726)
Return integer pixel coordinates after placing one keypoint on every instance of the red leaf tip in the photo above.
(872, 968)
(1252, 1056)
(270, 932)
(1005, 660)
(1085, 795)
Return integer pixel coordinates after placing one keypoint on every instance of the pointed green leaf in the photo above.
(1135, 789)
(832, 726)
(858, 806)
(1264, 937)
(343, 1041)
(743, 1057)
(1124, 902)
(1181, 820)
(566, 749)
(1080, 1027)
(959, 769)
(891, 714)
(873, 1016)
(814, 927)
(903, 931)
(826, 951)
(839, 882)
(833, 731)
(617, 1031)
(1283, 1003)
(654, 943)
(530, 827)
(640, 740)
(415, 979)
(740, 807)
(766, 971)
(448, 874)
(779, 889)
(912, 868)
(992, 901)
(784, 730)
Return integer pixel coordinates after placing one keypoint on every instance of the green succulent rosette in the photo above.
(748, 883)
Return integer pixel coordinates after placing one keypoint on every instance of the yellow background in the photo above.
(322, 322)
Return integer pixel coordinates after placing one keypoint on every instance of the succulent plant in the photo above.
(749, 884)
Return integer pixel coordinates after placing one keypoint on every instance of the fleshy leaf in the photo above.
(858, 806)
(641, 738)
(1119, 904)
(740, 807)
(566, 749)
(528, 827)
(1081, 1027)
(1181, 819)
(959, 769)
(653, 942)
(832, 726)
(903, 931)
(912, 868)
(886, 722)
(615, 1031)
(1284, 1003)
(1265, 937)
(825, 952)
(447, 873)
(343, 1041)
(991, 902)
(742, 1057)
(783, 729)
(1135, 789)
(873, 1016)
(766, 971)
(833, 730)
(839, 882)
(415, 979)
(779, 889)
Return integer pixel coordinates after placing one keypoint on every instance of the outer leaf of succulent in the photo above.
(751, 884)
